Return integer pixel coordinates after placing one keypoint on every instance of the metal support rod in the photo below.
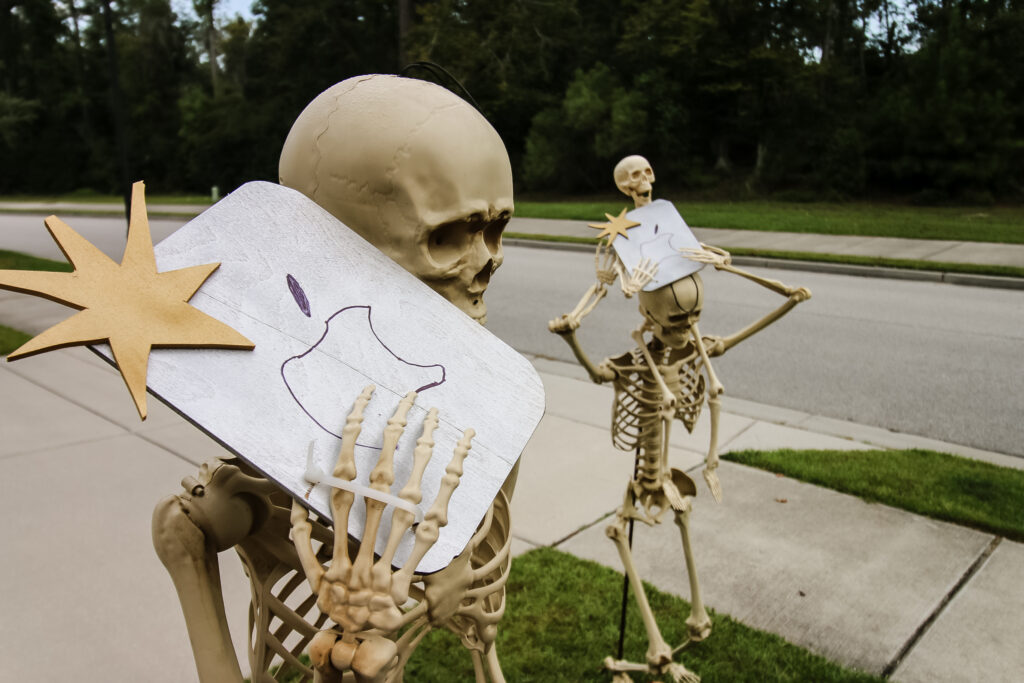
(625, 577)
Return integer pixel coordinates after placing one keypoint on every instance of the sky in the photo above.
(229, 8)
(226, 9)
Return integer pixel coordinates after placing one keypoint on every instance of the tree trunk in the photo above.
(117, 106)
(404, 24)
(722, 163)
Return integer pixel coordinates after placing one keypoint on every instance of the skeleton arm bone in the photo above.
(607, 267)
(605, 262)
(714, 406)
(598, 374)
(796, 295)
(721, 260)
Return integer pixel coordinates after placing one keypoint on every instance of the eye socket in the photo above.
(451, 240)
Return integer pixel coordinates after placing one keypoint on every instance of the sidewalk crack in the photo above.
(916, 637)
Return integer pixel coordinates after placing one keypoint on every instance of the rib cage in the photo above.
(637, 396)
(283, 616)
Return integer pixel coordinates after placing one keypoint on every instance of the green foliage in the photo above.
(560, 623)
(937, 485)
(834, 100)
(598, 120)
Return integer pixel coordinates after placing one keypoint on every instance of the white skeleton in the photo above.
(666, 376)
(422, 175)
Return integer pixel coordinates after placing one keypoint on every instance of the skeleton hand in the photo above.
(642, 274)
(707, 254)
(564, 324)
(606, 262)
(798, 293)
(361, 595)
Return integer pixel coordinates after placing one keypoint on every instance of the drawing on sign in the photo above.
(304, 379)
(657, 238)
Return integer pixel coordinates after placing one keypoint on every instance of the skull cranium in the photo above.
(635, 177)
(416, 171)
(673, 309)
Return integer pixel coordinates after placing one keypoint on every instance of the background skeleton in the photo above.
(667, 375)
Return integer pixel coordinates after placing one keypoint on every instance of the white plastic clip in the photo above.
(315, 475)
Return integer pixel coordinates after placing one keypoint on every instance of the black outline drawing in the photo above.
(300, 299)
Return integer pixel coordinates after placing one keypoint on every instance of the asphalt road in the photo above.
(936, 360)
(26, 233)
(931, 359)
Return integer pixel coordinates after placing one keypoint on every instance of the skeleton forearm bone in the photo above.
(720, 259)
(796, 295)
(714, 406)
(597, 374)
(565, 326)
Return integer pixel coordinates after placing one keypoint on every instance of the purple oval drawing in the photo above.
(298, 295)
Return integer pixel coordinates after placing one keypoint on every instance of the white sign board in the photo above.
(659, 237)
(330, 314)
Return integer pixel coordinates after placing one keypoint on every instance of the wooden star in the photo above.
(129, 305)
(616, 225)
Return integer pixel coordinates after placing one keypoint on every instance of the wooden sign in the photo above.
(659, 237)
(330, 314)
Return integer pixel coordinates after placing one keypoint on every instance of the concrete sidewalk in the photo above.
(869, 586)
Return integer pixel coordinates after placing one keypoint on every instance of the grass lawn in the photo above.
(13, 260)
(909, 264)
(11, 339)
(562, 621)
(971, 223)
(937, 485)
(988, 224)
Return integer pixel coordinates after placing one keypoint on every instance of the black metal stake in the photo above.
(625, 576)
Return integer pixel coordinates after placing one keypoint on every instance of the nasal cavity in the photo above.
(484, 276)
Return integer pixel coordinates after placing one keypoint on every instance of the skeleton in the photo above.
(667, 375)
(421, 175)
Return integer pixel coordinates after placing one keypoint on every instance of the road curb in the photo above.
(968, 279)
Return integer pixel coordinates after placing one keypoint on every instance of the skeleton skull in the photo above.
(673, 309)
(416, 171)
(635, 177)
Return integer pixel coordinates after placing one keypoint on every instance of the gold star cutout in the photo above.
(129, 305)
(616, 225)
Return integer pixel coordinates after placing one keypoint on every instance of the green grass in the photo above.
(562, 621)
(11, 339)
(936, 485)
(906, 264)
(13, 260)
(880, 219)
(989, 224)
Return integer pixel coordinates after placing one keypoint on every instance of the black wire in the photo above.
(625, 576)
(440, 73)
